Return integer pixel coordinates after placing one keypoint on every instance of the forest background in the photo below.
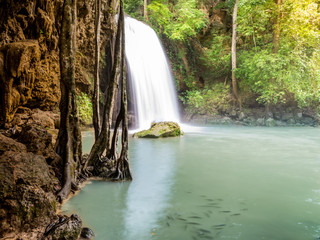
(277, 52)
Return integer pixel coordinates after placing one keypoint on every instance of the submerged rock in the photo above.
(159, 130)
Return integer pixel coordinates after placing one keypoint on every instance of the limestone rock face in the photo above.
(45, 119)
(29, 52)
(159, 130)
(26, 187)
(18, 64)
(29, 173)
(37, 140)
(29, 62)
(8, 144)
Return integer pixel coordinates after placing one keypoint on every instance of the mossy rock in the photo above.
(160, 130)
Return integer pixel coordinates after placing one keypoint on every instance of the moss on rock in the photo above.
(160, 130)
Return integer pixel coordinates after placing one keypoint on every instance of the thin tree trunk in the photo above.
(69, 145)
(277, 28)
(122, 164)
(253, 36)
(95, 100)
(145, 10)
(234, 50)
(112, 154)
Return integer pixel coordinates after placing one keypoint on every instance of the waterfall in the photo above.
(150, 75)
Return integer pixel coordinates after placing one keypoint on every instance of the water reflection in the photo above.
(149, 194)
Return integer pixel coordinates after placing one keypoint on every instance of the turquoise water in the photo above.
(211, 183)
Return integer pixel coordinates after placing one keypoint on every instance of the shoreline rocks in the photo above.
(259, 117)
(67, 228)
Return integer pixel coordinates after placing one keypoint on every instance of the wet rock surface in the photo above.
(160, 130)
(260, 117)
(86, 233)
(65, 228)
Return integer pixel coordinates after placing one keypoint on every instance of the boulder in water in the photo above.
(86, 233)
(159, 130)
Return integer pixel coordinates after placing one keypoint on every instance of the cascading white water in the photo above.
(150, 73)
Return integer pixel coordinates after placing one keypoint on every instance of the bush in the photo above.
(208, 101)
(277, 78)
(85, 109)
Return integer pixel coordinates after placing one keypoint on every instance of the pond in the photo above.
(212, 183)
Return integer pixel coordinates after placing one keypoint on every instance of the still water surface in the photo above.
(211, 183)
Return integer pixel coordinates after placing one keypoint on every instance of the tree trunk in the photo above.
(277, 28)
(68, 144)
(122, 164)
(96, 98)
(102, 142)
(234, 50)
(145, 10)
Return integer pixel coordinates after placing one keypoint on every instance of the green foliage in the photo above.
(132, 7)
(209, 101)
(278, 77)
(177, 21)
(189, 20)
(301, 24)
(254, 22)
(160, 16)
(293, 72)
(190, 81)
(218, 56)
(85, 108)
(259, 72)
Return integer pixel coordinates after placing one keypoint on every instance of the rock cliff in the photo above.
(30, 170)
(29, 52)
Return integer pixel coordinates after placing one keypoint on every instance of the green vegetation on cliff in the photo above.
(85, 108)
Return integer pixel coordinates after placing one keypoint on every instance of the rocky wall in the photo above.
(29, 67)
(30, 170)
(27, 181)
(29, 52)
